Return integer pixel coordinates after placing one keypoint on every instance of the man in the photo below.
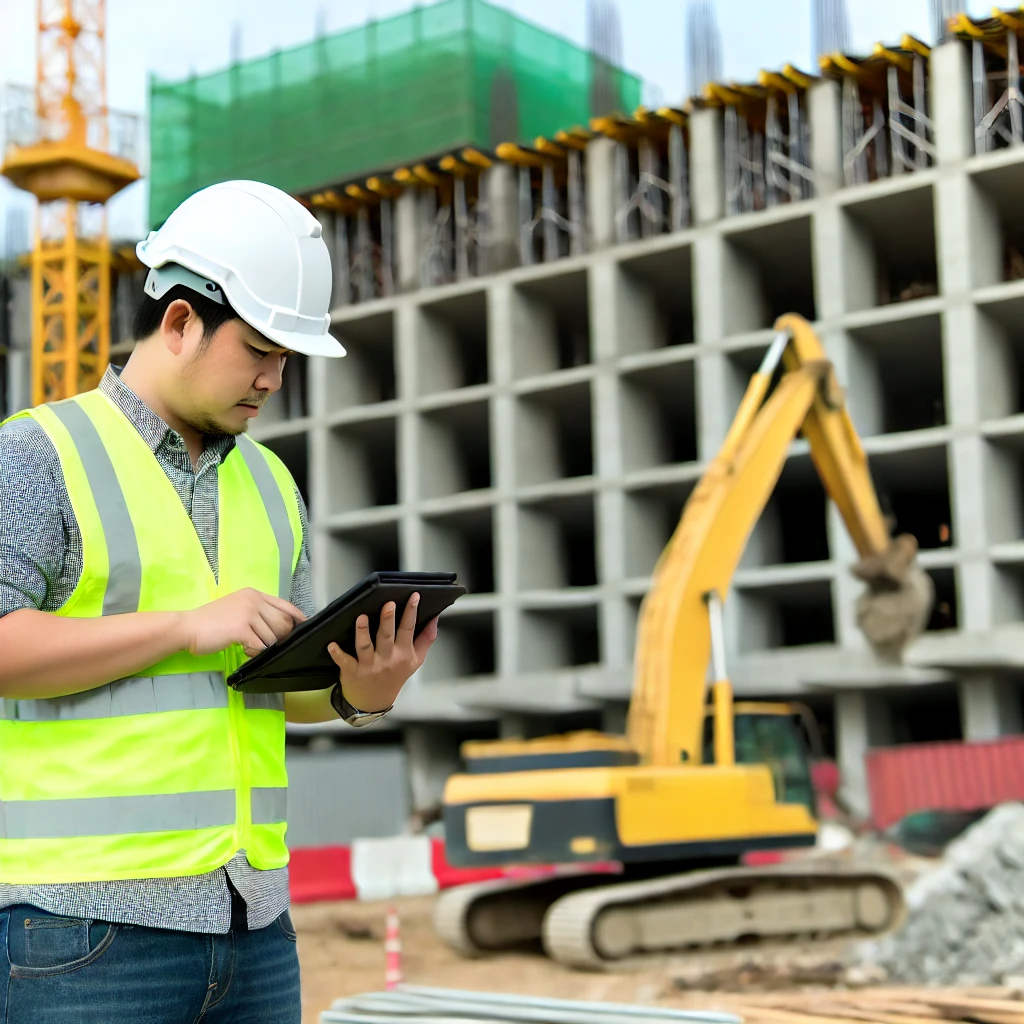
(147, 547)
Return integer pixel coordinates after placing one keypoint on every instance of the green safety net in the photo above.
(456, 73)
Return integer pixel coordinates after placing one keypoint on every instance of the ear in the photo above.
(175, 320)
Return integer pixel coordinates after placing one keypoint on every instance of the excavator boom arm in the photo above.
(673, 634)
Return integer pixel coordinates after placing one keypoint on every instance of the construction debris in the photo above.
(965, 923)
(412, 1004)
(886, 1006)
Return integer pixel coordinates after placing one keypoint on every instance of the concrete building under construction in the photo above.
(548, 338)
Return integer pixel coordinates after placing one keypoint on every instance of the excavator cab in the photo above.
(773, 735)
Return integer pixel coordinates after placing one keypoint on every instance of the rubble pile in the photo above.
(965, 921)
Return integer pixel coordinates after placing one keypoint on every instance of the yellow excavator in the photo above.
(699, 780)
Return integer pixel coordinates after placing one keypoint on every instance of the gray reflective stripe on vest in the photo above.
(264, 701)
(116, 815)
(137, 695)
(273, 501)
(124, 584)
(269, 805)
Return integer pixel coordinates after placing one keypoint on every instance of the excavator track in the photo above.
(502, 914)
(622, 926)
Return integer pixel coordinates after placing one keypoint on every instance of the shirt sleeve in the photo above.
(302, 580)
(33, 539)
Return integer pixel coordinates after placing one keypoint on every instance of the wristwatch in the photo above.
(350, 715)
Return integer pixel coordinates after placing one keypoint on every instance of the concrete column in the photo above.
(601, 198)
(432, 754)
(707, 166)
(952, 106)
(500, 341)
(408, 241)
(501, 186)
(824, 111)
(990, 707)
(862, 722)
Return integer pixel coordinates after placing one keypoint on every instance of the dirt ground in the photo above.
(341, 949)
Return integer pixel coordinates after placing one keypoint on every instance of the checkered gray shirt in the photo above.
(40, 563)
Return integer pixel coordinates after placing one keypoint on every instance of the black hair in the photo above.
(149, 313)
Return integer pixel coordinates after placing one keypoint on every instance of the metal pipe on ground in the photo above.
(412, 1004)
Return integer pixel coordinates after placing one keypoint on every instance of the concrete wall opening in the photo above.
(462, 541)
(355, 551)
(452, 343)
(928, 714)
(551, 324)
(785, 615)
(1001, 357)
(367, 372)
(455, 450)
(362, 461)
(553, 434)
(465, 647)
(889, 248)
(997, 241)
(945, 611)
(658, 407)
(897, 375)
(655, 300)
(556, 543)
(793, 528)
(768, 271)
(557, 636)
(651, 516)
(913, 486)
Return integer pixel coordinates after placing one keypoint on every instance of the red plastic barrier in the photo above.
(943, 777)
(447, 876)
(322, 873)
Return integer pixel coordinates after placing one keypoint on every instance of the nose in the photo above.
(271, 373)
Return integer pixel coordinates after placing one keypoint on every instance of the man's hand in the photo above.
(373, 679)
(247, 617)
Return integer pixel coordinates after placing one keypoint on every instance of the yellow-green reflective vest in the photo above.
(169, 772)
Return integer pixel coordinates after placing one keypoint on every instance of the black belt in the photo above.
(239, 911)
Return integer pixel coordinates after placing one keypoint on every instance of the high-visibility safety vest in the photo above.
(169, 772)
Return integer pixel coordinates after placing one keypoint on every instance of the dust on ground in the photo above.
(341, 949)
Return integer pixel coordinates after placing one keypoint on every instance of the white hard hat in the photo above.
(259, 249)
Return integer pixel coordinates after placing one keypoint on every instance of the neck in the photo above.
(145, 380)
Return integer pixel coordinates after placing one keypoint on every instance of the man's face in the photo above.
(227, 382)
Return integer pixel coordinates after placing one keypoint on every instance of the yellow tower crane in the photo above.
(68, 167)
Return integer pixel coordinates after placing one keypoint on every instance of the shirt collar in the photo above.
(155, 432)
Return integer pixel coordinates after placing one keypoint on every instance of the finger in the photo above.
(285, 606)
(407, 627)
(281, 623)
(263, 630)
(364, 645)
(345, 662)
(253, 645)
(425, 639)
(386, 631)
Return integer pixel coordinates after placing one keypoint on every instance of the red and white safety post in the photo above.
(392, 951)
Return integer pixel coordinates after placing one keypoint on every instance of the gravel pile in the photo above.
(965, 923)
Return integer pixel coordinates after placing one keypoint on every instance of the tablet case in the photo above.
(300, 661)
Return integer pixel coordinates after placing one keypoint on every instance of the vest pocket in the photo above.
(41, 945)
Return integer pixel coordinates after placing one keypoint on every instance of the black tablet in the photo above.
(300, 661)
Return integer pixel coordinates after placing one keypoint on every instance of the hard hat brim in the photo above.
(304, 344)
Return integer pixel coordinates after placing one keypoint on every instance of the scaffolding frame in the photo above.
(893, 83)
(766, 140)
(559, 165)
(658, 193)
(995, 67)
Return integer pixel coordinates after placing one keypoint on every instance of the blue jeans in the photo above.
(66, 970)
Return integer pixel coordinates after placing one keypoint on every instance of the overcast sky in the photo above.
(171, 39)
